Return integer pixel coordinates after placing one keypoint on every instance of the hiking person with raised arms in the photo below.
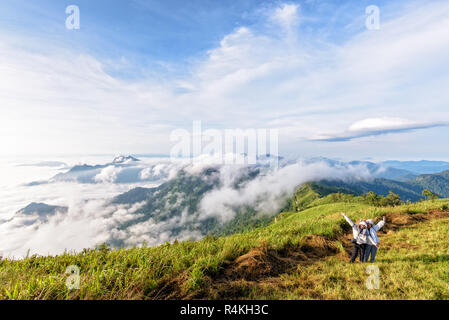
(373, 241)
(360, 234)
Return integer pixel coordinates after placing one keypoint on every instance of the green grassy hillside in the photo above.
(301, 255)
(308, 194)
(413, 264)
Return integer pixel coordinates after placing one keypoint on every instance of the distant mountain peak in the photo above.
(41, 209)
(124, 159)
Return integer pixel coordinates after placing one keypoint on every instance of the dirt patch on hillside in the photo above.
(258, 263)
(262, 262)
(263, 266)
(316, 247)
(396, 221)
(169, 289)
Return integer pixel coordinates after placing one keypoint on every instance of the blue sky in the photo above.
(137, 70)
(148, 31)
(166, 30)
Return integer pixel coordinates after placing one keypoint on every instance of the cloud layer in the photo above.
(92, 219)
(376, 127)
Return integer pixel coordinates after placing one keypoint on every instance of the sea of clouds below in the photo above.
(92, 220)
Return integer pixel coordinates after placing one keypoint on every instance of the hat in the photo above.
(370, 221)
(363, 223)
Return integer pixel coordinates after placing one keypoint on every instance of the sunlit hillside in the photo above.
(299, 255)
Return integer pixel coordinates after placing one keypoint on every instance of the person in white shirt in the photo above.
(360, 233)
(373, 241)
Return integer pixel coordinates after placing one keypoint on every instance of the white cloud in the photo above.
(108, 174)
(287, 16)
(145, 173)
(378, 126)
(87, 224)
(267, 193)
